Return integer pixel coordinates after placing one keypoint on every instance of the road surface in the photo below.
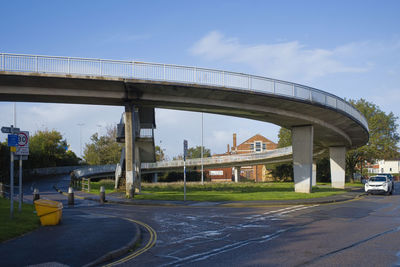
(364, 232)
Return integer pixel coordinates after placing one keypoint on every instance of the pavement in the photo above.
(77, 241)
(85, 238)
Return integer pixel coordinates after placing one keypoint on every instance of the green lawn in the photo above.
(222, 191)
(108, 186)
(21, 223)
(230, 191)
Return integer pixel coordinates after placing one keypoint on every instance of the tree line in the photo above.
(382, 144)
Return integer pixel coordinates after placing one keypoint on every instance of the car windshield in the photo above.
(377, 179)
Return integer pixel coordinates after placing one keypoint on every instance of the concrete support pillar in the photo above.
(302, 142)
(236, 174)
(314, 173)
(138, 170)
(155, 177)
(338, 166)
(130, 150)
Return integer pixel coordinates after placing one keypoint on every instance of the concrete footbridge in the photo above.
(317, 119)
(237, 161)
(273, 156)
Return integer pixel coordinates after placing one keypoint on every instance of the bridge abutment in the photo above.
(338, 166)
(302, 142)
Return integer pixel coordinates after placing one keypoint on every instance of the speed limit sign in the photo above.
(23, 144)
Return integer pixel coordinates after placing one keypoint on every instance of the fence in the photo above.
(85, 184)
(175, 74)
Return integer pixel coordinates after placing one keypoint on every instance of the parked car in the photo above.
(379, 184)
(390, 177)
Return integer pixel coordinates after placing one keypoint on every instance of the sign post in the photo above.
(19, 144)
(21, 152)
(185, 147)
(12, 143)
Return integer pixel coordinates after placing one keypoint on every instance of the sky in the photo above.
(347, 48)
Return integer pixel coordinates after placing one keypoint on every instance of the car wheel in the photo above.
(387, 193)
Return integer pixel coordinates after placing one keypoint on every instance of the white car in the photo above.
(379, 184)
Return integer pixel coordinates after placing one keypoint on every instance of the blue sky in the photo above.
(348, 48)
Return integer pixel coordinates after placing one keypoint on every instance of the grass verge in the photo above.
(231, 191)
(23, 222)
(108, 186)
(246, 191)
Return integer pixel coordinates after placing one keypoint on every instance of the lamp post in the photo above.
(80, 137)
(99, 126)
(202, 147)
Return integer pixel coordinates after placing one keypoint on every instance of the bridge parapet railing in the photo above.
(220, 159)
(175, 73)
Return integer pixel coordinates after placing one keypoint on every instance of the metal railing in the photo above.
(228, 159)
(146, 133)
(240, 159)
(176, 74)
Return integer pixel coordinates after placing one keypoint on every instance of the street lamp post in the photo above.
(202, 147)
(80, 137)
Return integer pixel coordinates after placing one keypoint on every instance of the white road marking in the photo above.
(302, 208)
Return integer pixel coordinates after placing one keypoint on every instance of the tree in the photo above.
(104, 149)
(285, 137)
(383, 137)
(4, 162)
(49, 149)
(195, 152)
(159, 154)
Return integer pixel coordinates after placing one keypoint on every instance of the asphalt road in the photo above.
(364, 232)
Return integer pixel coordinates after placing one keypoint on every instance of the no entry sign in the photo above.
(23, 144)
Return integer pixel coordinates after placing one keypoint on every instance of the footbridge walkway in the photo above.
(273, 156)
(236, 161)
(317, 119)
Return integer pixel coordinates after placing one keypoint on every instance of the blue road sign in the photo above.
(185, 148)
(12, 140)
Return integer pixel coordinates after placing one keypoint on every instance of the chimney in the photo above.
(227, 148)
(234, 140)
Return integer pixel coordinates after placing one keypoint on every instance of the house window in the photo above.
(258, 146)
(252, 147)
(264, 146)
(390, 169)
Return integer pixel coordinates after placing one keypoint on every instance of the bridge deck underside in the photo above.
(331, 127)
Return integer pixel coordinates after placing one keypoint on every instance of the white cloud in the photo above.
(286, 60)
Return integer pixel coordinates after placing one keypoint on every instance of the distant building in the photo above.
(384, 166)
(255, 144)
(389, 166)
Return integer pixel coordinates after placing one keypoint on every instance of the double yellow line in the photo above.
(150, 244)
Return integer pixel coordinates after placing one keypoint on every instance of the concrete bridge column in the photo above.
(314, 173)
(130, 136)
(138, 170)
(302, 143)
(338, 166)
(155, 177)
(236, 173)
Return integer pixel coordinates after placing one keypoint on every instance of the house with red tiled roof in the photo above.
(255, 144)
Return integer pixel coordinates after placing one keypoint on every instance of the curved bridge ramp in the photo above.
(273, 156)
(318, 119)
